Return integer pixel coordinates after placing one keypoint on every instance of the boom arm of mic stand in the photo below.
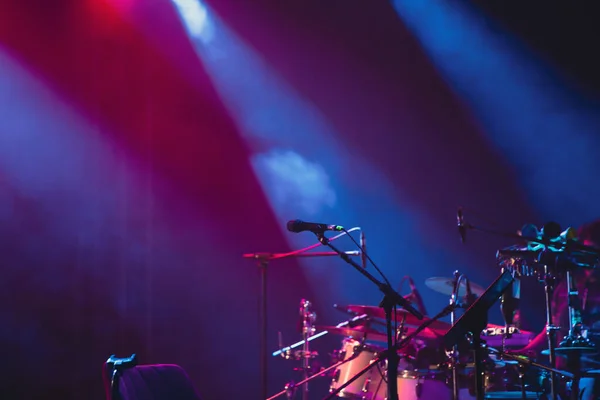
(386, 289)
(390, 299)
(275, 256)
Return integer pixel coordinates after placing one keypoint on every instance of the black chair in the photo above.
(124, 379)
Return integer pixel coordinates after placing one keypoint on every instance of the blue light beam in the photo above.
(547, 132)
(304, 168)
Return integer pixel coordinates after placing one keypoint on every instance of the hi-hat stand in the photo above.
(391, 299)
(263, 260)
(454, 304)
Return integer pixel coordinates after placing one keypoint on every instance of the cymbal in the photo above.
(358, 332)
(361, 332)
(438, 327)
(569, 351)
(445, 286)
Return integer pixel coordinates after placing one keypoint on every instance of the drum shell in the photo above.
(357, 357)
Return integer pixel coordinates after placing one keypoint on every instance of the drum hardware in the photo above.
(383, 356)
(447, 286)
(452, 287)
(407, 320)
(574, 356)
(473, 322)
(291, 387)
(549, 263)
(524, 363)
(359, 332)
(545, 253)
(283, 350)
(263, 260)
(453, 354)
(308, 318)
(390, 300)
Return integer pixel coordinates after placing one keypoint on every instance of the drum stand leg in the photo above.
(479, 367)
(392, 357)
(263, 358)
(521, 368)
(549, 280)
(454, 355)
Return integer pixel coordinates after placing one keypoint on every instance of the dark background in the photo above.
(130, 184)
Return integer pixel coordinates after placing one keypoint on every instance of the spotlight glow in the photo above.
(196, 19)
(546, 130)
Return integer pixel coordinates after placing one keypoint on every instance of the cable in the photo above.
(394, 310)
(368, 257)
(313, 246)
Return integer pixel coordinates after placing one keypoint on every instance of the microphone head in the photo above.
(295, 226)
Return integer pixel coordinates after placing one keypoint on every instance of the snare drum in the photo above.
(359, 356)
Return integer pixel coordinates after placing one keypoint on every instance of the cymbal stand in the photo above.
(308, 329)
(549, 280)
(453, 354)
(263, 260)
(575, 338)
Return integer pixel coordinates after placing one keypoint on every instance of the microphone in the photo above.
(363, 249)
(416, 297)
(298, 226)
(460, 221)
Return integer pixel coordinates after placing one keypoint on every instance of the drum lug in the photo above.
(365, 388)
(336, 376)
(419, 390)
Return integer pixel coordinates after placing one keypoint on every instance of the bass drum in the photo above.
(414, 385)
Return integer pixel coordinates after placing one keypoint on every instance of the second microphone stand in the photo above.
(391, 299)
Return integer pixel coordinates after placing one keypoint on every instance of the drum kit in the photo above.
(425, 368)
(466, 358)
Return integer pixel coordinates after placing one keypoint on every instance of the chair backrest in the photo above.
(154, 382)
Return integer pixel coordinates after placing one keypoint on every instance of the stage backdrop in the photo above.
(146, 145)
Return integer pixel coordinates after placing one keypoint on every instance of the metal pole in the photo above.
(263, 264)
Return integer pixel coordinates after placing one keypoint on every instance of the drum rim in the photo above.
(417, 373)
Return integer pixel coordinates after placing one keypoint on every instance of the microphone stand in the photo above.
(391, 298)
(384, 355)
(263, 260)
